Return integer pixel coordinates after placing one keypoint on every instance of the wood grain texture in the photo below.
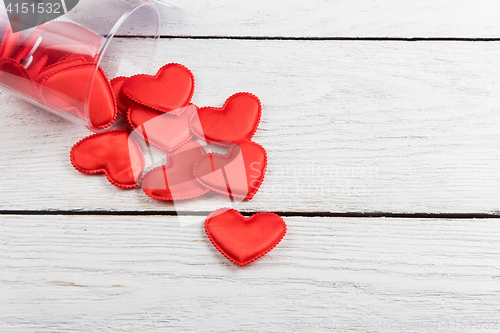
(316, 18)
(321, 18)
(348, 126)
(148, 273)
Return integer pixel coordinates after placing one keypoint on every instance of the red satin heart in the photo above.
(112, 153)
(57, 67)
(62, 41)
(15, 76)
(34, 69)
(122, 101)
(175, 180)
(27, 46)
(67, 89)
(63, 52)
(239, 173)
(10, 42)
(171, 88)
(164, 130)
(236, 121)
(242, 240)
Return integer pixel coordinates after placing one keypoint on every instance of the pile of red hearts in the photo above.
(159, 111)
(55, 63)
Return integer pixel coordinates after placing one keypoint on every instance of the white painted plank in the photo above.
(348, 126)
(320, 18)
(147, 273)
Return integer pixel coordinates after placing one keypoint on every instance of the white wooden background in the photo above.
(356, 119)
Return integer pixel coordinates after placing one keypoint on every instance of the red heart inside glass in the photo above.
(65, 65)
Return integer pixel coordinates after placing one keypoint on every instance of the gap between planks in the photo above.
(249, 213)
(324, 38)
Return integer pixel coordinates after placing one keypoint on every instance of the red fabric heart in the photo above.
(122, 101)
(62, 40)
(164, 130)
(63, 52)
(171, 88)
(57, 67)
(113, 153)
(242, 240)
(27, 46)
(10, 42)
(37, 67)
(67, 89)
(175, 180)
(239, 173)
(236, 121)
(15, 76)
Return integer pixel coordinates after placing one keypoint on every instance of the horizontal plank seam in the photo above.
(248, 213)
(325, 38)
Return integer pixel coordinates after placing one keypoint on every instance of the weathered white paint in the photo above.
(147, 273)
(348, 126)
(316, 18)
(319, 18)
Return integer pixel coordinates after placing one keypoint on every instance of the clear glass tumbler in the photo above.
(65, 65)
